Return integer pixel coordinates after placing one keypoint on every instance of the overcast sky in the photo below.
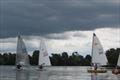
(66, 25)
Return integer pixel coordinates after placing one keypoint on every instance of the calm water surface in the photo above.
(53, 73)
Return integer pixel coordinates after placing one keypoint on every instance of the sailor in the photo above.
(41, 66)
(18, 66)
(95, 66)
(116, 70)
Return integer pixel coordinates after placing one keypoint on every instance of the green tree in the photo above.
(65, 59)
(112, 56)
(56, 60)
(11, 58)
(35, 57)
(76, 60)
(1, 59)
(87, 60)
(5, 59)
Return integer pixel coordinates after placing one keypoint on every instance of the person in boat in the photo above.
(41, 66)
(95, 67)
(19, 66)
(116, 70)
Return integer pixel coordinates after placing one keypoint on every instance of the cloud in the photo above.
(66, 25)
(109, 37)
(43, 17)
(69, 41)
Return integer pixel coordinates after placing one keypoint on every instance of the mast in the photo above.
(92, 48)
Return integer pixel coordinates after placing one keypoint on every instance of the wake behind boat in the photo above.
(43, 56)
(22, 59)
(98, 57)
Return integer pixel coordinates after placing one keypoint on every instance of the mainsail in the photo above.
(98, 55)
(21, 53)
(43, 56)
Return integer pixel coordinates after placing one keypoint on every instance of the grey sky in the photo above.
(66, 25)
(42, 17)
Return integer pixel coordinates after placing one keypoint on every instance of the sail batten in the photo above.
(43, 56)
(98, 55)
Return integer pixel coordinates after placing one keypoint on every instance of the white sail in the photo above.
(21, 53)
(118, 63)
(43, 56)
(98, 55)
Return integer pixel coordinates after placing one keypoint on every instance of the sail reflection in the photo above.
(118, 77)
(43, 75)
(22, 74)
(104, 77)
(98, 77)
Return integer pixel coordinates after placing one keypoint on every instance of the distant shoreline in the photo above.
(63, 59)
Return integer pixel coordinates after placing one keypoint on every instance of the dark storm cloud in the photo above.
(42, 17)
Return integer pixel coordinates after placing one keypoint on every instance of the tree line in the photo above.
(62, 59)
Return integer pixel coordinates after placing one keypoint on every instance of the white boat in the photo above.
(117, 69)
(22, 59)
(98, 57)
(43, 56)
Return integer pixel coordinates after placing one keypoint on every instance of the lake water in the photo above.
(53, 73)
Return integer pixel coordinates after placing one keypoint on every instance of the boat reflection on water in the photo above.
(53, 73)
(22, 61)
(104, 77)
(22, 75)
(43, 74)
(118, 77)
(97, 77)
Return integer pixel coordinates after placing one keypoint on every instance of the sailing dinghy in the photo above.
(117, 69)
(22, 59)
(43, 56)
(98, 57)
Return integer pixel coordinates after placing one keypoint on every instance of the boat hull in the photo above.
(116, 71)
(97, 71)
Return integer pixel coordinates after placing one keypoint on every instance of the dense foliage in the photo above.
(112, 56)
(62, 59)
(73, 60)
